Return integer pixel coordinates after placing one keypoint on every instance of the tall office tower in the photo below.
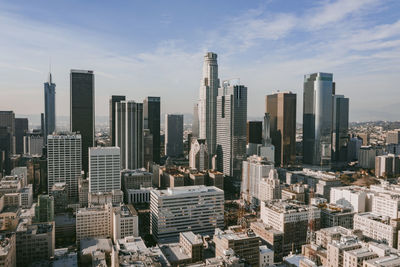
(254, 170)
(104, 168)
(173, 135)
(231, 128)
(33, 143)
(198, 156)
(64, 162)
(207, 108)
(340, 128)
(129, 134)
(113, 100)
(199, 209)
(254, 132)
(49, 107)
(151, 115)
(21, 128)
(42, 123)
(282, 109)
(44, 210)
(317, 118)
(195, 123)
(82, 110)
(148, 148)
(266, 149)
(7, 119)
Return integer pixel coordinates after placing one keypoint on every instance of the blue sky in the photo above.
(141, 48)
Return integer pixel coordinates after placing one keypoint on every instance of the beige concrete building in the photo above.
(125, 222)
(355, 258)
(8, 255)
(244, 244)
(93, 222)
(192, 244)
(336, 249)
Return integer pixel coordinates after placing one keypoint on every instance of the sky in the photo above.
(156, 48)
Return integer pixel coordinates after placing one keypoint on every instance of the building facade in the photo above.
(112, 104)
(49, 107)
(104, 169)
(173, 135)
(151, 116)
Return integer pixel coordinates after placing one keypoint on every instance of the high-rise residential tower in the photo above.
(82, 110)
(231, 128)
(49, 107)
(317, 118)
(281, 107)
(64, 162)
(104, 169)
(151, 115)
(129, 133)
(21, 128)
(340, 128)
(207, 108)
(113, 100)
(173, 135)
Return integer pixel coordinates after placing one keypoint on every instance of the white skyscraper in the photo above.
(104, 169)
(64, 161)
(207, 108)
(231, 128)
(198, 156)
(129, 133)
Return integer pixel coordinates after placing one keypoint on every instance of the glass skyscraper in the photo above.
(151, 115)
(49, 107)
(113, 100)
(82, 110)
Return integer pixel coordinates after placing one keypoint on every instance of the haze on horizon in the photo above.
(139, 49)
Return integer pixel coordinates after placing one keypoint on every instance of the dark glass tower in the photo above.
(151, 115)
(82, 110)
(21, 128)
(254, 132)
(49, 107)
(113, 100)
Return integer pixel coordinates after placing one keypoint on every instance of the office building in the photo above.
(83, 192)
(292, 219)
(49, 107)
(336, 249)
(198, 156)
(135, 179)
(269, 187)
(8, 255)
(336, 215)
(207, 107)
(173, 135)
(317, 118)
(64, 162)
(369, 222)
(7, 119)
(59, 192)
(340, 128)
(366, 156)
(44, 210)
(151, 116)
(353, 148)
(254, 132)
(231, 128)
(129, 134)
(148, 148)
(387, 165)
(125, 222)
(353, 197)
(195, 123)
(93, 222)
(199, 209)
(33, 143)
(393, 137)
(281, 107)
(104, 169)
(82, 113)
(21, 128)
(266, 149)
(254, 170)
(112, 104)
(34, 242)
(26, 197)
(245, 244)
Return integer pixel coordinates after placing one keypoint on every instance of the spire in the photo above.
(50, 80)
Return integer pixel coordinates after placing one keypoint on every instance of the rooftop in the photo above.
(192, 238)
(185, 190)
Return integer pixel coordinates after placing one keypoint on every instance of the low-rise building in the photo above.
(125, 222)
(266, 256)
(93, 222)
(8, 255)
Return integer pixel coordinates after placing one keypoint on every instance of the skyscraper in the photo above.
(340, 128)
(113, 100)
(151, 115)
(21, 128)
(231, 128)
(254, 132)
(281, 107)
(207, 108)
(129, 134)
(49, 107)
(195, 123)
(64, 162)
(173, 135)
(317, 118)
(7, 120)
(82, 110)
(104, 169)
(198, 155)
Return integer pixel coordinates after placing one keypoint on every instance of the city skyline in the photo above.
(354, 40)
